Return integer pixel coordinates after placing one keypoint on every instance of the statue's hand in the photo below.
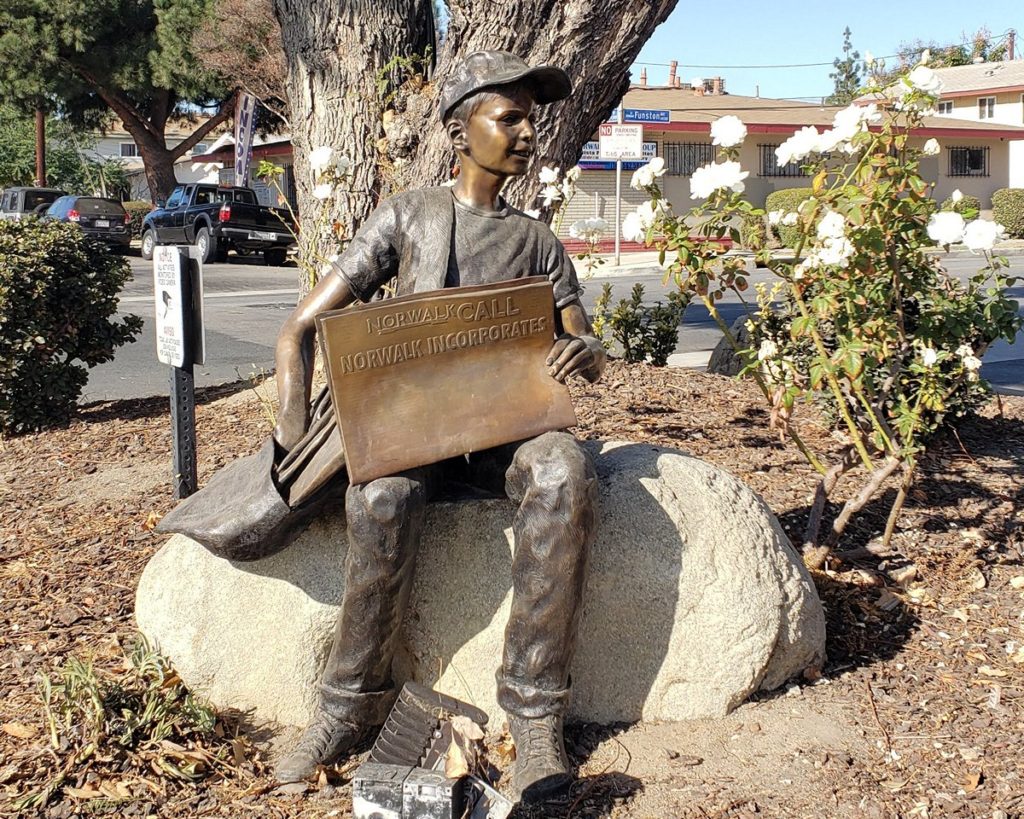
(291, 426)
(579, 355)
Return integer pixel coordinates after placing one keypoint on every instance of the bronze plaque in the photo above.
(421, 378)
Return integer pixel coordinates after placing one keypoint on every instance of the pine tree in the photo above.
(847, 75)
(90, 59)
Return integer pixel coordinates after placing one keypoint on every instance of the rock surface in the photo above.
(695, 600)
(724, 360)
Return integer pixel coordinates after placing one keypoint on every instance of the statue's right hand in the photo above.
(290, 428)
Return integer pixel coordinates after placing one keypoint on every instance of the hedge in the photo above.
(1008, 210)
(966, 203)
(58, 316)
(787, 200)
(136, 211)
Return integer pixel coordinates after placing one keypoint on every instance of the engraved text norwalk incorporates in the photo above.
(421, 378)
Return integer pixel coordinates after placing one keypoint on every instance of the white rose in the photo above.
(550, 194)
(956, 196)
(323, 192)
(982, 234)
(320, 158)
(549, 176)
(633, 229)
(803, 143)
(931, 147)
(573, 174)
(790, 218)
(642, 178)
(929, 356)
(716, 176)
(946, 228)
(832, 225)
(768, 350)
(650, 212)
(835, 252)
(924, 79)
(775, 216)
(971, 363)
(728, 131)
(657, 166)
(589, 230)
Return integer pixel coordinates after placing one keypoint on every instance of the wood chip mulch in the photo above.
(925, 644)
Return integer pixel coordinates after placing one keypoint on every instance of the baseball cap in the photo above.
(484, 69)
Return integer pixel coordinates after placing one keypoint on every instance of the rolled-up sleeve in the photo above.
(563, 278)
(371, 259)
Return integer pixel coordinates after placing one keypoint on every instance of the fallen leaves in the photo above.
(17, 729)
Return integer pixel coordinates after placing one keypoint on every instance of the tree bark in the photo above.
(334, 52)
(396, 142)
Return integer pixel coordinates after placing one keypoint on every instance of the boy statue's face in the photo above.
(500, 137)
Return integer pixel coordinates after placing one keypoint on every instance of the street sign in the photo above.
(180, 343)
(590, 159)
(621, 141)
(642, 115)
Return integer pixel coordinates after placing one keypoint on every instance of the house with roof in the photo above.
(114, 143)
(991, 92)
(974, 157)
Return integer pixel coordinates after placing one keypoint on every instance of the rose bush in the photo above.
(864, 320)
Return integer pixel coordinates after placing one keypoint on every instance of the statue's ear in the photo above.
(456, 130)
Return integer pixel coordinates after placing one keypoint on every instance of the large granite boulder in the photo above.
(696, 599)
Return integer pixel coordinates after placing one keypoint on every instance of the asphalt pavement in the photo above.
(246, 303)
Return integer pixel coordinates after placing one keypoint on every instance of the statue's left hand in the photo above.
(580, 355)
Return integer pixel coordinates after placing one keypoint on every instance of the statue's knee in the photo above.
(389, 501)
(556, 467)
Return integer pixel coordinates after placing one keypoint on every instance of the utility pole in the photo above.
(1011, 42)
(40, 148)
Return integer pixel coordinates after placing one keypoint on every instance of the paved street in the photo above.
(246, 303)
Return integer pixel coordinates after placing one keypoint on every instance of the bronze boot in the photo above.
(325, 740)
(542, 768)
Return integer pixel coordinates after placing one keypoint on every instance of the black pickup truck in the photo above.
(217, 219)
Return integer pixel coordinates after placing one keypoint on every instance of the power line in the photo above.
(996, 39)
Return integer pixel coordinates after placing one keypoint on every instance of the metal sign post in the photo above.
(180, 343)
(620, 142)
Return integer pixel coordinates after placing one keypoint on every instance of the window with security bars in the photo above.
(683, 158)
(967, 161)
(769, 164)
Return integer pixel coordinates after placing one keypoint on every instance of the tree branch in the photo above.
(226, 109)
(119, 104)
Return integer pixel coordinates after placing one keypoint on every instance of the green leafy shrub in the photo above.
(753, 232)
(1008, 210)
(645, 332)
(967, 205)
(136, 211)
(58, 299)
(787, 201)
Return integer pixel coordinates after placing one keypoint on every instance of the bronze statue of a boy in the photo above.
(487, 107)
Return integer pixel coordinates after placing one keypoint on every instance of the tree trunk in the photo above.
(335, 53)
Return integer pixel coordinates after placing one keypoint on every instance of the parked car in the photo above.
(16, 203)
(103, 219)
(216, 219)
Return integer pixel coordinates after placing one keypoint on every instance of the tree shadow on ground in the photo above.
(131, 409)
(968, 481)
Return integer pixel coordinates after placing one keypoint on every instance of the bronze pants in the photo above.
(555, 484)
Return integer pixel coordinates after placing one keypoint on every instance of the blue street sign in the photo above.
(641, 115)
(646, 115)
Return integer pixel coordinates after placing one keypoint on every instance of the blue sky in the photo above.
(785, 32)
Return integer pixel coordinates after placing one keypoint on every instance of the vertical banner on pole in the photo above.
(245, 117)
(180, 343)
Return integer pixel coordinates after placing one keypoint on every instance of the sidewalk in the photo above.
(646, 261)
